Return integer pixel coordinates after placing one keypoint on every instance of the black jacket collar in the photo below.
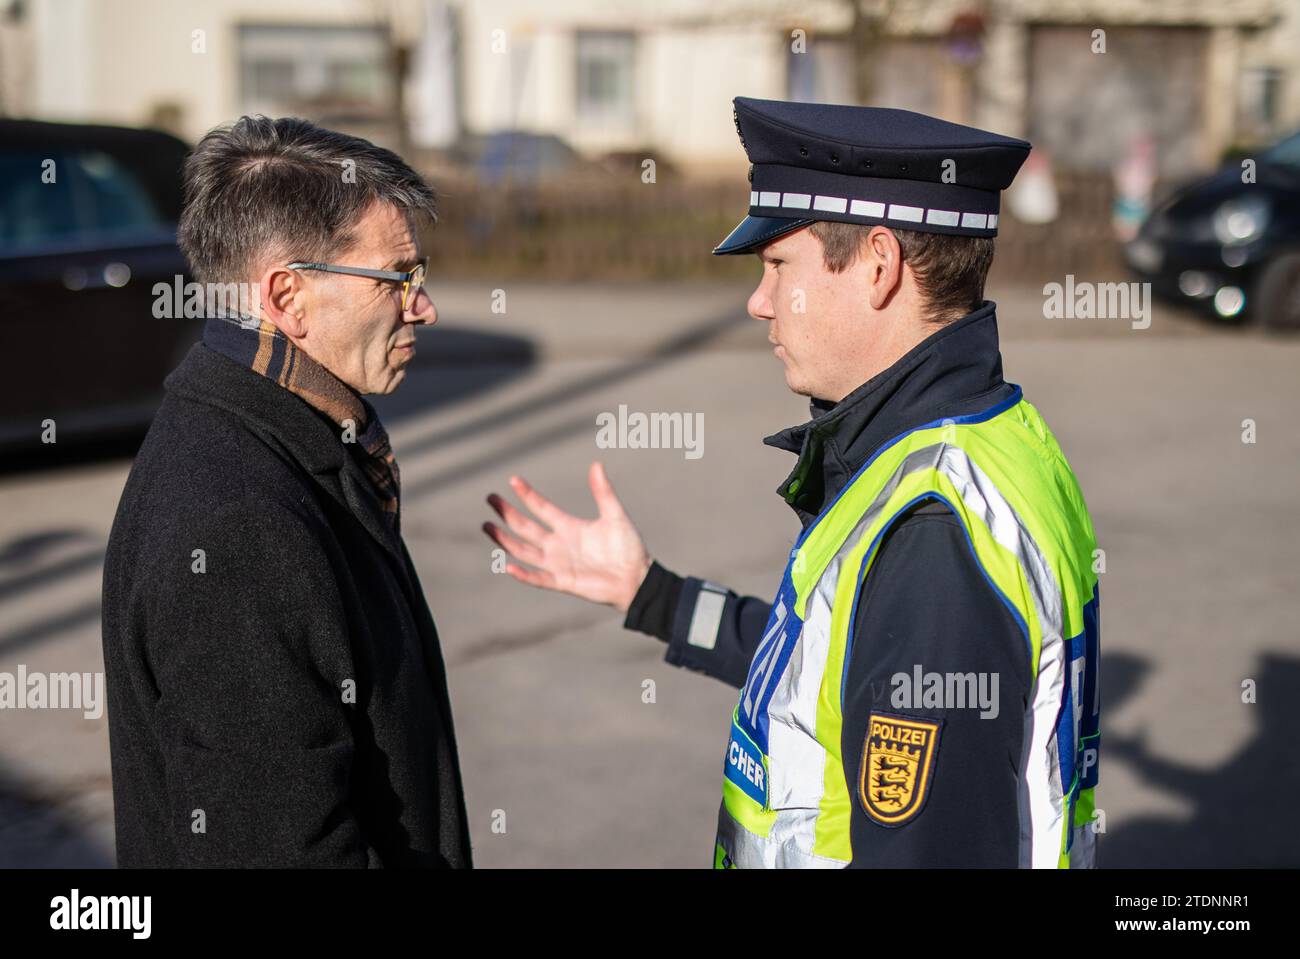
(287, 423)
(953, 372)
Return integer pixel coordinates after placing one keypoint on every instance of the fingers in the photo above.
(533, 577)
(540, 578)
(515, 547)
(607, 501)
(516, 520)
(547, 511)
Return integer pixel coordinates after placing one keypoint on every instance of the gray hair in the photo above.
(288, 188)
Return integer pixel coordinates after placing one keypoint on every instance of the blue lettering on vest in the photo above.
(744, 766)
(1078, 732)
(770, 660)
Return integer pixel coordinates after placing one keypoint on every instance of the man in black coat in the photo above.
(276, 689)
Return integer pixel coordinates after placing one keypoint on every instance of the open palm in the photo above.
(602, 560)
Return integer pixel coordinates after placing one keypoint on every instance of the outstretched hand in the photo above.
(601, 560)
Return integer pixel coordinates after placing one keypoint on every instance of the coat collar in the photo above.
(954, 371)
(289, 424)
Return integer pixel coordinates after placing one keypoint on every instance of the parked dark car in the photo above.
(1230, 246)
(87, 228)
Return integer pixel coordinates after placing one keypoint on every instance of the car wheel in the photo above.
(1276, 303)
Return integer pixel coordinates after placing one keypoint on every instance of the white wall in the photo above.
(113, 61)
(691, 60)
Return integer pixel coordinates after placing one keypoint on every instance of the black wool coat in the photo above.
(279, 698)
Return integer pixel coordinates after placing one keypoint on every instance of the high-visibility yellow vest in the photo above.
(786, 801)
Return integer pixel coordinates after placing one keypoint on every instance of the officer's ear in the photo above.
(884, 261)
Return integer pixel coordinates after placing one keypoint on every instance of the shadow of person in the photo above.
(1242, 814)
(39, 831)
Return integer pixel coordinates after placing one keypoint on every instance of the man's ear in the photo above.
(282, 293)
(884, 261)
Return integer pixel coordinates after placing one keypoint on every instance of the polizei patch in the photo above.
(897, 766)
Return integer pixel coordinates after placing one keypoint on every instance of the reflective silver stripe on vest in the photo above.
(796, 760)
(1042, 805)
(1083, 853)
(783, 848)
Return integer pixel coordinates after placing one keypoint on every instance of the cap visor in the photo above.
(754, 231)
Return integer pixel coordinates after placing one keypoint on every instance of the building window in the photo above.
(1261, 89)
(822, 72)
(606, 66)
(322, 72)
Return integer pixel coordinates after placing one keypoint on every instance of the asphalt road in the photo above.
(558, 743)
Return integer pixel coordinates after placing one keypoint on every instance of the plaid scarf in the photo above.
(258, 345)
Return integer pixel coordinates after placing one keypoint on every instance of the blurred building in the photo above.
(187, 67)
(1195, 76)
(1187, 78)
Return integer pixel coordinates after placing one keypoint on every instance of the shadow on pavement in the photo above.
(23, 568)
(1241, 809)
(36, 832)
(541, 401)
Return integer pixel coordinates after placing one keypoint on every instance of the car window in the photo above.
(33, 212)
(93, 200)
(1287, 152)
(112, 197)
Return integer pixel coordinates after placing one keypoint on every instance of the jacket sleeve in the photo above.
(251, 661)
(708, 628)
(926, 610)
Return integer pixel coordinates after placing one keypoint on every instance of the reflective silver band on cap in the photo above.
(874, 209)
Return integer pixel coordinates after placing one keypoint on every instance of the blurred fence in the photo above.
(1081, 240)
(620, 228)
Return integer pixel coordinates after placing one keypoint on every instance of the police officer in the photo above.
(922, 691)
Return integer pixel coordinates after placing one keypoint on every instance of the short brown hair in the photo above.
(950, 270)
(263, 185)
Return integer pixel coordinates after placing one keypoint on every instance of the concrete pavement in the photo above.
(556, 739)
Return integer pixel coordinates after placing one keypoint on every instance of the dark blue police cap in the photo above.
(816, 161)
